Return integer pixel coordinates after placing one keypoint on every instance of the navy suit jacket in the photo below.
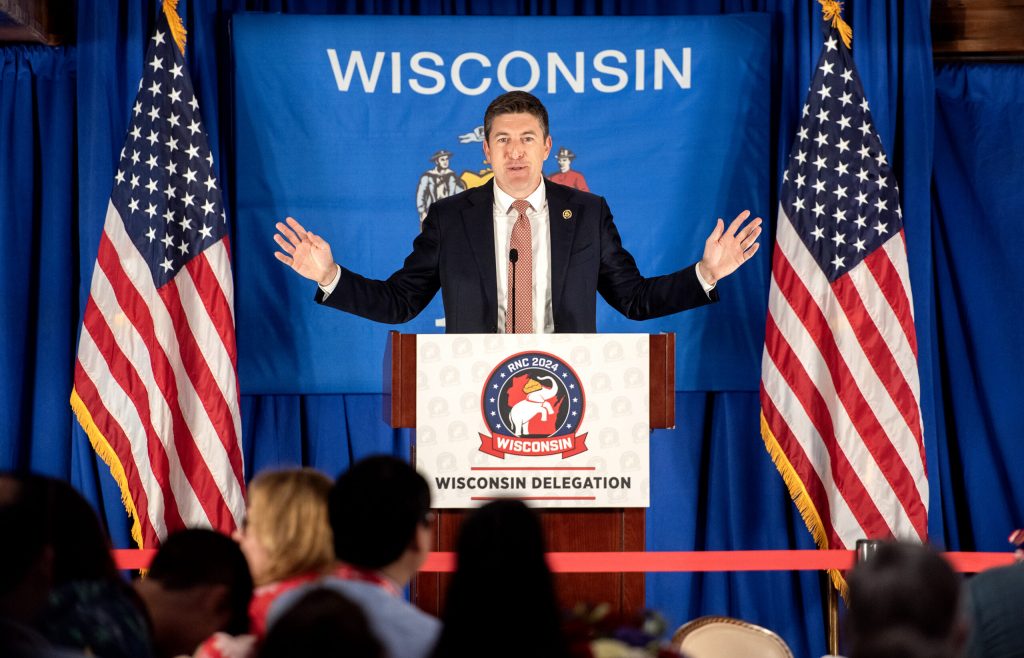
(455, 252)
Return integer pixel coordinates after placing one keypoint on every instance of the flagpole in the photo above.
(832, 619)
(831, 12)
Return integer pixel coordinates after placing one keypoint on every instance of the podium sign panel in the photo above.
(557, 420)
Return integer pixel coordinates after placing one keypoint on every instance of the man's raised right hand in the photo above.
(304, 252)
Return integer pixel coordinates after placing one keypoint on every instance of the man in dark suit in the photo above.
(554, 247)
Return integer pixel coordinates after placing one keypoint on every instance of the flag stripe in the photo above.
(193, 429)
(213, 324)
(896, 278)
(898, 255)
(212, 275)
(216, 417)
(877, 354)
(170, 391)
(212, 278)
(123, 306)
(839, 343)
(829, 421)
(849, 312)
(796, 454)
(891, 286)
(845, 383)
(890, 357)
(890, 322)
(127, 403)
(790, 418)
(217, 261)
(133, 457)
(813, 468)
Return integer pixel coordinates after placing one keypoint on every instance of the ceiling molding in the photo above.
(990, 30)
(50, 22)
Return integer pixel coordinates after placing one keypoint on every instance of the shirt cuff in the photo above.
(708, 287)
(329, 288)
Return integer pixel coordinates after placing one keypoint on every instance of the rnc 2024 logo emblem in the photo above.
(533, 405)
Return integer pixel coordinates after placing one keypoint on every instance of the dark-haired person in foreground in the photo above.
(501, 573)
(198, 585)
(322, 623)
(59, 586)
(905, 602)
(381, 520)
(560, 243)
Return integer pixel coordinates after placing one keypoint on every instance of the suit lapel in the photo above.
(478, 220)
(563, 230)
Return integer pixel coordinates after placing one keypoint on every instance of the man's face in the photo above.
(516, 150)
(563, 164)
(442, 162)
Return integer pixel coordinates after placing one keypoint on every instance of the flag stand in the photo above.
(832, 618)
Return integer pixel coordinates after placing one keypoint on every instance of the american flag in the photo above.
(840, 394)
(155, 384)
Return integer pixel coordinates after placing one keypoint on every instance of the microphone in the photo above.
(513, 256)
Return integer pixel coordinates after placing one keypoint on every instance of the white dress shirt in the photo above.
(540, 241)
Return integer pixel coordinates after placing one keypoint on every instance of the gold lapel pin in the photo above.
(566, 214)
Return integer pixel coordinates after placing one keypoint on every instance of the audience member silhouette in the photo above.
(198, 584)
(380, 516)
(59, 577)
(322, 623)
(996, 603)
(286, 537)
(501, 575)
(904, 601)
(27, 573)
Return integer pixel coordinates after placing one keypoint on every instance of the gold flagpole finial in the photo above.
(177, 28)
(832, 10)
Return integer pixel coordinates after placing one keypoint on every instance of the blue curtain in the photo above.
(63, 114)
(38, 192)
(978, 193)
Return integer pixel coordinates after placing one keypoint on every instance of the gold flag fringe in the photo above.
(802, 499)
(831, 10)
(177, 28)
(109, 457)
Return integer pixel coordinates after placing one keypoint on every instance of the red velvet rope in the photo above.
(668, 562)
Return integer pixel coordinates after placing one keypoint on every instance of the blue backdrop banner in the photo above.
(354, 125)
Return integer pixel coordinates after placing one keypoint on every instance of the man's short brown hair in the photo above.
(515, 102)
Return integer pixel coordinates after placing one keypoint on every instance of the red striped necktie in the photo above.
(520, 274)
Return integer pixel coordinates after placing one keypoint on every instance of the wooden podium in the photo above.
(566, 530)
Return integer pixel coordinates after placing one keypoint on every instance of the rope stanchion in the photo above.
(704, 561)
(975, 562)
(671, 562)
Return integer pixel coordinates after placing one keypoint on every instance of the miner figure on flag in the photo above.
(840, 392)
